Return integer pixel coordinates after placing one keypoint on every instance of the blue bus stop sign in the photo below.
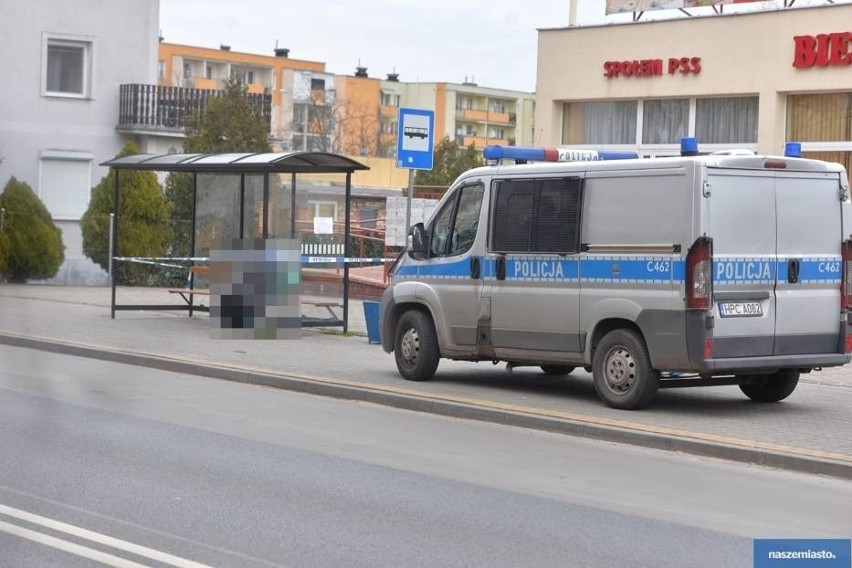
(415, 149)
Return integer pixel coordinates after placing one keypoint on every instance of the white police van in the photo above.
(652, 273)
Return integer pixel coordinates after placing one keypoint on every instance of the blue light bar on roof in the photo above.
(793, 149)
(533, 154)
(689, 146)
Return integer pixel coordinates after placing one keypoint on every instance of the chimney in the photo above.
(393, 77)
(224, 47)
(361, 71)
(282, 52)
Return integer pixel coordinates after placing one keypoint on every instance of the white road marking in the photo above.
(99, 538)
(70, 547)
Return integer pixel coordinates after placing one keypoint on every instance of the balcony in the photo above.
(471, 115)
(147, 109)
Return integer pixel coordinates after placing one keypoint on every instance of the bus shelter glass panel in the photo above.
(217, 215)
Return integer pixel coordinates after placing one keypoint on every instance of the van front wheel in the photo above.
(416, 346)
(771, 388)
(622, 372)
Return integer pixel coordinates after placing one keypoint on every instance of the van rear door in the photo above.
(809, 263)
(742, 223)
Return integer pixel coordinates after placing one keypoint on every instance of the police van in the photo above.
(728, 268)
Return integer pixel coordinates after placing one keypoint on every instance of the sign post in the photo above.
(415, 148)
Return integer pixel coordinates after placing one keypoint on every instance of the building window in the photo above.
(605, 122)
(317, 84)
(390, 99)
(726, 120)
(208, 71)
(161, 69)
(67, 66)
(65, 183)
(820, 118)
(664, 121)
(823, 124)
(323, 209)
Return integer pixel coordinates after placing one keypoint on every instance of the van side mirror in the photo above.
(417, 240)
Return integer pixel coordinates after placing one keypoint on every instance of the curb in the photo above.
(744, 451)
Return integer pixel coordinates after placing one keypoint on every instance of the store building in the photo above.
(748, 81)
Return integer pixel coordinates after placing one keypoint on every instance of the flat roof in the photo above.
(239, 163)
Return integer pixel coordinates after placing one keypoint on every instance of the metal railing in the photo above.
(159, 107)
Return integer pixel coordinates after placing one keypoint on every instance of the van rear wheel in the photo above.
(622, 372)
(416, 346)
(557, 369)
(771, 388)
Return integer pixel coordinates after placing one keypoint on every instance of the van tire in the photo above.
(771, 388)
(416, 346)
(557, 369)
(622, 372)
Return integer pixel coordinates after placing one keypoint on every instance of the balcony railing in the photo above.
(155, 107)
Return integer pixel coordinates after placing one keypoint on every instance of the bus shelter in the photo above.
(253, 171)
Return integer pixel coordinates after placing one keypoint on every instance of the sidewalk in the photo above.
(809, 431)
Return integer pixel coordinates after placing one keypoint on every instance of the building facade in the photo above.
(59, 111)
(356, 114)
(750, 81)
(291, 83)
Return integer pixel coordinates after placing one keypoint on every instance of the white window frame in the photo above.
(315, 206)
(87, 44)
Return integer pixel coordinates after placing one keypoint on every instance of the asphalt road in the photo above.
(185, 469)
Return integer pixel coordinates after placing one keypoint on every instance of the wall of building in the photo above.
(274, 75)
(39, 130)
(742, 54)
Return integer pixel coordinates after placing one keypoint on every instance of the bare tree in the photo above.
(328, 122)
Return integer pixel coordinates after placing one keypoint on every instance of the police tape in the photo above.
(341, 260)
(158, 260)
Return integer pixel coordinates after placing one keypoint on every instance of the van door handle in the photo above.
(793, 269)
(501, 268)
(475, 271)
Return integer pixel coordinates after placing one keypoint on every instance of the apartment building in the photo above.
(312, 109)
(466, 113)
(291, 85)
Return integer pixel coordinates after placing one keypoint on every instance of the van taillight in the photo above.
(699, 275)
(846, 281)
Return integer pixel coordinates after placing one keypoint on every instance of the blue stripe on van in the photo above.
(656, 269)
(814, 270)
(542, 269)
(726, 271)
(744, 270)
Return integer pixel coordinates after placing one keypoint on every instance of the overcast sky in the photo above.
(492, 42)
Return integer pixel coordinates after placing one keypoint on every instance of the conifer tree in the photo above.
(31, 244)
(143, 216)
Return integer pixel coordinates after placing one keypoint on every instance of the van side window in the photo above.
(538, 216)
(454, 227)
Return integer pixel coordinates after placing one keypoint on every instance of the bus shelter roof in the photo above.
(237, 163)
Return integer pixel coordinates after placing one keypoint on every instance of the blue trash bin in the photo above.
(371, 316)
